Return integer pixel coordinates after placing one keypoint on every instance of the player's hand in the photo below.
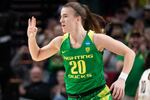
(117, 89)
(32, 29)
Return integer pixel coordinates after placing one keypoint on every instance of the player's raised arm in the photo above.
(37, 53)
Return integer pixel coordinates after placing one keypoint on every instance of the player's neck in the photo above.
(78, 34)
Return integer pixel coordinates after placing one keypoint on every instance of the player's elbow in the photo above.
(35, 55)
(131, 53)
(35, 58)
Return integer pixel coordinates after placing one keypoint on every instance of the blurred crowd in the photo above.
(128, 22)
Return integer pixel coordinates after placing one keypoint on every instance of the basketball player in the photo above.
(82, 50)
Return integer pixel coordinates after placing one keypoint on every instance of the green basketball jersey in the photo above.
(83, 66)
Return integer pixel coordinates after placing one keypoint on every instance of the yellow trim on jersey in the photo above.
(91, 33)
(65, 37)
(104, 92)
(107, 97)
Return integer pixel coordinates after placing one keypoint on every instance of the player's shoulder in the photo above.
(93, 35)
(58, 39)
(146, 72)
(99, 37)
(146, 75)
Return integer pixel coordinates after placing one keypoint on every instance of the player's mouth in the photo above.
(63, 26)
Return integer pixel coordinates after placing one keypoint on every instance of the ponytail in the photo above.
(93, 21)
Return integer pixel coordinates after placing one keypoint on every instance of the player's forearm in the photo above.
(33, 48)
(128, 61)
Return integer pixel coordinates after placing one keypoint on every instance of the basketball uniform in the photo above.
(84, 70)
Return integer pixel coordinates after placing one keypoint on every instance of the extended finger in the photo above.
(118, 94)
(33, 21)
(112, 86)
(114, 91)
(121, 94)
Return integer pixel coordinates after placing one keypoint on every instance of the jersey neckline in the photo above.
(81, 43)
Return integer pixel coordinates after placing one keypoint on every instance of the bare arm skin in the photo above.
(105, 42)
(37, 53)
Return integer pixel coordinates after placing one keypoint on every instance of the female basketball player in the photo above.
(82, 52)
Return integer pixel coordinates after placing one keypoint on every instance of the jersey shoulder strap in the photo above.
(91, 34)
(65, 36)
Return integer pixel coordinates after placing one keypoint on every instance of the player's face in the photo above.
(68, 19)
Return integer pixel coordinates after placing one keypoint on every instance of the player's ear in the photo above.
(78, 18)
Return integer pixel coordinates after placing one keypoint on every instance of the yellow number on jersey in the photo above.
(78, 67)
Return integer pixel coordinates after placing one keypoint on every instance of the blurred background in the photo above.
(128, 21)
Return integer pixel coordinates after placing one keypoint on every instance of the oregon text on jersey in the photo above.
(78, 57)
